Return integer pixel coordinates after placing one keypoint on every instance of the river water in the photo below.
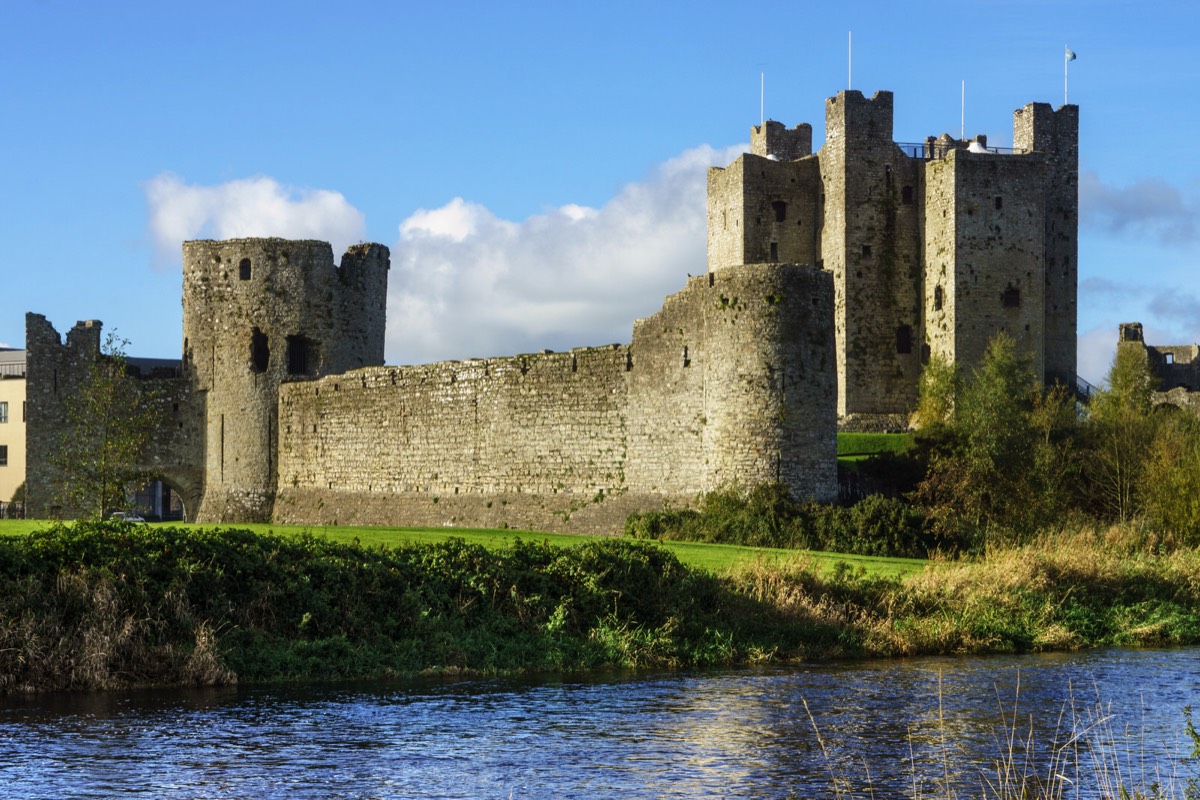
(871, 729)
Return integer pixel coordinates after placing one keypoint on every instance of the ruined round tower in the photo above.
(257, 313)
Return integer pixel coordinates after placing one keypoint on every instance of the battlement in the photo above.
(849, 116)
(773, 140)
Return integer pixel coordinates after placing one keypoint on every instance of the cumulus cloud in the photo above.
(1150, 206)
(257, 206)
(466, 283)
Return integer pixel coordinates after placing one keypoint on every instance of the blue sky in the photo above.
(538, 168)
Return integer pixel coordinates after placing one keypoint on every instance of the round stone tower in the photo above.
(256, 313)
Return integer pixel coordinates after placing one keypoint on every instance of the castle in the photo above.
(934, 247)
(832, 277)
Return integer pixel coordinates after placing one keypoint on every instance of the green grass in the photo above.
(716, 558)
(869, 444)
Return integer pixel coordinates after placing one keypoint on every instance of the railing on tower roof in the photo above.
(931, 151)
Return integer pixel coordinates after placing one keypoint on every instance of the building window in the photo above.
(937, 298)
(906, 195)
(4, 412)
(999, 203)
(3, 455)
(24, 410)
(866, 251)
(1170, 358)
(774, 252)
(904, 339)
(303, 355)
(780, 208)
(244, 269)
(1011, 297)
(260, 353)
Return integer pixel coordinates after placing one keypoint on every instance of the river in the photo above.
(878, 729)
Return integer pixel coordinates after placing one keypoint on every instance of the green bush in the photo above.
(767, 517)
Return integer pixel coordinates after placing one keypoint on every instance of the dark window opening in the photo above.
(904, 339)
(302, 355)
(1170, 358)
(937, 298)
(906, 195)
(1011, 297)
(687, 362)
(774, 251)
(780, 209)
(866, 251)
(3, 455)
(999, 203)
(260, 354)
(887, 174)
(244, 269)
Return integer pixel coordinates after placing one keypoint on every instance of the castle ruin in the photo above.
(832, 278)
(934, 247)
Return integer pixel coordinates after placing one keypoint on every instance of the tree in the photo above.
(937, 391)
(109, 421)
(1122, 428)
(1004, 465)
(1170, 490)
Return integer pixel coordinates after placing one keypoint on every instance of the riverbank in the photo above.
(97, 606)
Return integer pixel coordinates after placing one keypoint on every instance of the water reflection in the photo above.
(891, 729)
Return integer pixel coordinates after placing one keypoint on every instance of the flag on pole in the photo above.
(1070, 54)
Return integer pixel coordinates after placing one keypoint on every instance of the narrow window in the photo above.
(1011, 297)
(725, 220)
(906, 195)
(301, 354)
(866, 251)
(260, 354)
(687, 362)
(780, 208)
(4, 412)
(244, 269)
(24, 410)
(3, 455)
(774, 251)
(1170, 358)
(999, 203)
(887, 174)
(904, 339)
(937, 298)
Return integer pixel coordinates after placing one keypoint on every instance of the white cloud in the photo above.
(257, 206)
(1149, 206)
(465, 283)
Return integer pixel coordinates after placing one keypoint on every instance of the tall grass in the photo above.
(98, 605)
(1090, 753)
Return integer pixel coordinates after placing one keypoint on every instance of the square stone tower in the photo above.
(934, 246)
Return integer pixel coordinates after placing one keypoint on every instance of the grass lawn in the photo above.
(712, 557)
(855, 447)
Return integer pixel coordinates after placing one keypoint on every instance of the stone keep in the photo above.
(934, 247)
(258, 312)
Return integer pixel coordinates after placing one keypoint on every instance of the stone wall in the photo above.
(914, 240)
(255, 313)
(984, 250)
(730, 384)
(58, 371)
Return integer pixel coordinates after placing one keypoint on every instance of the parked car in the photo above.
(125, 516)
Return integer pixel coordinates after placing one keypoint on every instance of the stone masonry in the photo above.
(934, 247)
(833, 276)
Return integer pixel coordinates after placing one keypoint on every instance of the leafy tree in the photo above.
(1121, 429)
(109, 421)
(1170, 487)
(937, 391)
(1004, 467)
